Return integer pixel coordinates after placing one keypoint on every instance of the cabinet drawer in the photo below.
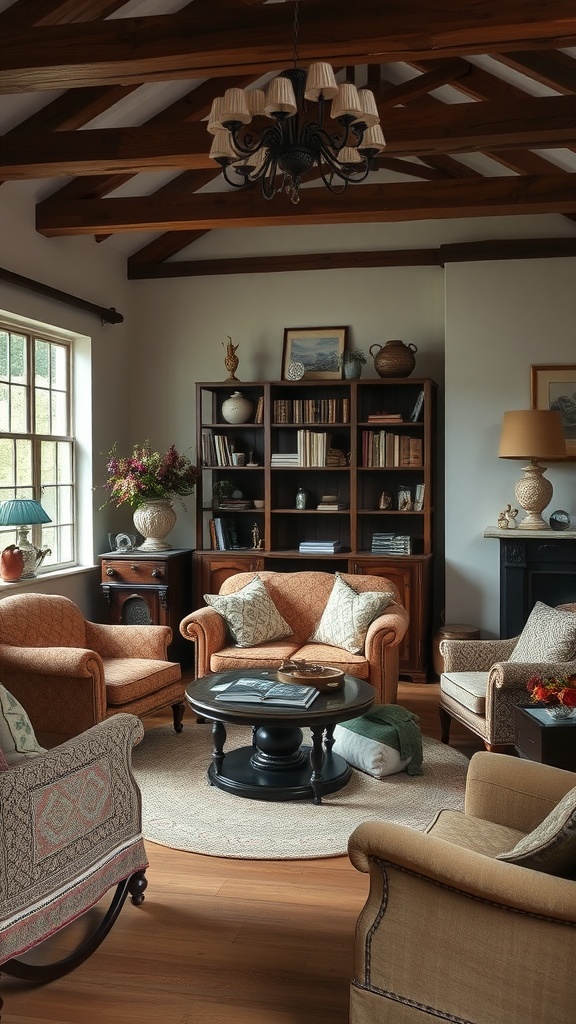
(115, 570)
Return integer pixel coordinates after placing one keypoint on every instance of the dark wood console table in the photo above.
(535, 565)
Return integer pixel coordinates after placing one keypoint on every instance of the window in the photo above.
(36, 446)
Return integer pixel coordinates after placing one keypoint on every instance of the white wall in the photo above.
(500, 319)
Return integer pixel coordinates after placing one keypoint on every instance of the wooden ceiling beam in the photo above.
(457, 252)
(28, 13)
(256, 40)
(556, 70)
(455, 128)
(402, 201)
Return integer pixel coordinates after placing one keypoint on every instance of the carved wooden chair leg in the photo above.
(43, 973)
(178, 714)
(445, 723)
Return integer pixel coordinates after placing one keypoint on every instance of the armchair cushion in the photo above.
(17, 737)
(468, 688)
(251, 615)
(348, 614)
(551, 846)
(549, 635)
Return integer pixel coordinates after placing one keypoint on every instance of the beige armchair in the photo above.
(301, 597)
(70, 674)
(70, 829)
(450, 933)
(480, 688)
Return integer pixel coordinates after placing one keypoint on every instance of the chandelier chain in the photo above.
(295, 50)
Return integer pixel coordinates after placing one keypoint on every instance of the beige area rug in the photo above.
(182, 810)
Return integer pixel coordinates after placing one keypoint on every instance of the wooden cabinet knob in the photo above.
(110, 571)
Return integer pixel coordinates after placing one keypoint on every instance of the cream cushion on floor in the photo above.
(468, 688)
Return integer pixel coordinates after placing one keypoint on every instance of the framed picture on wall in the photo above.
(317, 349)
(554, 387)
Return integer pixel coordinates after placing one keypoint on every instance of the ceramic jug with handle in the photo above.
(394, 358)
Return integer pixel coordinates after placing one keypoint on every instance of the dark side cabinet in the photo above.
(152, 588)
(540, 738)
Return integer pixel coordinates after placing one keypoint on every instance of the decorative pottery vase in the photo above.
(558, 711)
(11, 564)
(154, 520)
(394, 358)
(237, 409)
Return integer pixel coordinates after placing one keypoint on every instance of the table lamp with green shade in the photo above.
(531, 435)
(24, 513)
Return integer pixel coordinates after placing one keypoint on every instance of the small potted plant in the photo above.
(351, 362)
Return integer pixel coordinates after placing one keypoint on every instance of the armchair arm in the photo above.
(475, 655)
(513, 791)
(506, 689)
(473, 874)
(53, 875)
(209, 631)
(62, 688)
(120, 641)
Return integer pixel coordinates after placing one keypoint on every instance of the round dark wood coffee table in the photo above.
(278, 766)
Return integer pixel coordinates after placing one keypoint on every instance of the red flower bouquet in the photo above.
(553, 691)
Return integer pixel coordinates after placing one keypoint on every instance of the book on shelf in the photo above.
(311, 410)
(419, 497)
(259, 414)
(391, 544)
(385, 417)
(261, 691)
(324, 547)
(417, 407)
(336, 506)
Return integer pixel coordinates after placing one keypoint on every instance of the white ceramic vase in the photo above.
(237, 408)
(154, 520)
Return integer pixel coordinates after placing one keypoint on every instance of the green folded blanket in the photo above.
(394, 726)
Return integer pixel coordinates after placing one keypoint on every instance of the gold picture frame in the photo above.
(554, 387)
(318, 349)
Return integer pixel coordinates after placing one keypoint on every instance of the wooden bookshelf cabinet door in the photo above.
(412, 577)
(212, 568)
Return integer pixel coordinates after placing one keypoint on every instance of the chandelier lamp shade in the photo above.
(277, 136)
(24, 513)
(531, 435)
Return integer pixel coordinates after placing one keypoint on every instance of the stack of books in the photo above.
(391, 544)
(319, 547)
(330, 503)
(284, 459)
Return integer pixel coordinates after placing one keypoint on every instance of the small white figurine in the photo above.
(507, 518)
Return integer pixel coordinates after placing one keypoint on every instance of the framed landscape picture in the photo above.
(317, 349)
(554, 387)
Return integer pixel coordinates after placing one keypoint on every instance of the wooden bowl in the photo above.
(323, 677)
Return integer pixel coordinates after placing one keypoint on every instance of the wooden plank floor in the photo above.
(219, 941)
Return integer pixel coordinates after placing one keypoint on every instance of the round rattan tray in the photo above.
(323, 677)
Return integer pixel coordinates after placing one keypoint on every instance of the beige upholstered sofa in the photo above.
(301, 597)
(450, 933)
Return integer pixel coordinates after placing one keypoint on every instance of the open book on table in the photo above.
(262, 691)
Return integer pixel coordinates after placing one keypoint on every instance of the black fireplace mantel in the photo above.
(535, 565)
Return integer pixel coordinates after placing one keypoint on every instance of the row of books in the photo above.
(391, 544)
(311, 410)
(217, 449)
(223, 535)
(385, 449)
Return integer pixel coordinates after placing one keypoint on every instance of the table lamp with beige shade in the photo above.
(533, 434)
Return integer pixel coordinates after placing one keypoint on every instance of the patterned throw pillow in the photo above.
(549, 635)
(251, 615)
(17, 738)
(551, 847)
(348, 614)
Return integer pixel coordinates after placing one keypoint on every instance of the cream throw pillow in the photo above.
(17, 738)
(551, 846)
(251, 615)
(549, 635)
(348, 614)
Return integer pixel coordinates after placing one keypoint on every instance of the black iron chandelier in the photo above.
(278, 155)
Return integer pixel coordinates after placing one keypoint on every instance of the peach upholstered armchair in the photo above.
(300, 598)
(70, 673)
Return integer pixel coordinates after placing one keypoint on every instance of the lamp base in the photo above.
(33, 556)
(534, 493)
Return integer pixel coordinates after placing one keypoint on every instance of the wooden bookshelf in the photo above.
(352, 441)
